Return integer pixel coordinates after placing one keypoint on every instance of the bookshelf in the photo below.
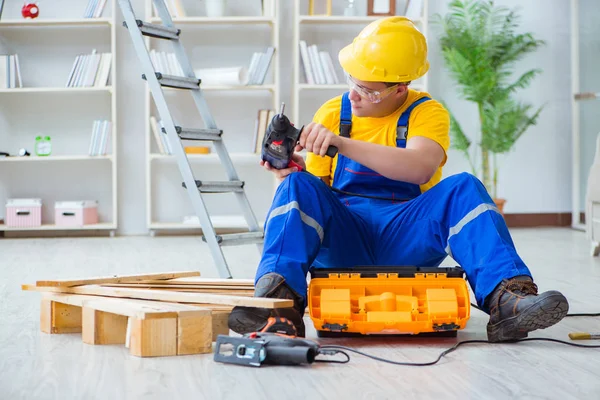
(44, 105)
(330, 33)
(223, 41)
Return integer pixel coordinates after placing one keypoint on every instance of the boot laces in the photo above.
(522, 288)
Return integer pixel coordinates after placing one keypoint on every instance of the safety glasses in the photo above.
(374, 96)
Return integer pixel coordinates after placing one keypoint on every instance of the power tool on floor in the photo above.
(276, 344)
(280, 141)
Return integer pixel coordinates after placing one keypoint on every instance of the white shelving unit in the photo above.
(44, 106)
(307, 98)
(234, 107)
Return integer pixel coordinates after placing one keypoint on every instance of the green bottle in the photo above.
(43, 146)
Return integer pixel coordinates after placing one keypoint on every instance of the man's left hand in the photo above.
(316, 138)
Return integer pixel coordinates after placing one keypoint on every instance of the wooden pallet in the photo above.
(147, 328)
(147, 313)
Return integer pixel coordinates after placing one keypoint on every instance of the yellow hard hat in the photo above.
(389, 49)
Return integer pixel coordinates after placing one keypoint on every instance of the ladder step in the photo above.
(177, 82)
(157, 31)
(218, 187)
(197, 134)
(236, 239)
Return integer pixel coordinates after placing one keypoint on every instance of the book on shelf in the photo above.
(166, 63)
(162, 141)
(263, 119)
(90, 70)
(94, 9)
(10, 71)
(175, 8)
(101, 132)
(259, 65)
(317, 65)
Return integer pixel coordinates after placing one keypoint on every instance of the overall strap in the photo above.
(345, 116)
(402, 127)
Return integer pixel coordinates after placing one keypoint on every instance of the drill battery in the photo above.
(388, 300)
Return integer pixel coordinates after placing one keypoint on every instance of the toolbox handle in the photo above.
(23, 212)
(68, 214)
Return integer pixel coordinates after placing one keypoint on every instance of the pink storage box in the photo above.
(23, 213)
(75, 213)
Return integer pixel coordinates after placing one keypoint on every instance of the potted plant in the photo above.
(480, 46)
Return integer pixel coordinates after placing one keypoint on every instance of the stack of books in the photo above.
(101, 132)
(165, 63)
(259, 65)
(94, 9)
(90, 70)
(318, 65)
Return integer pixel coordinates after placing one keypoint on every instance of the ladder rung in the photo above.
(156, 31)
(177, 82)
(198, 134)
(218, 187)
(236, 239)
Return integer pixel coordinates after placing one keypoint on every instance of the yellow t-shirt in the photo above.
(429, 119)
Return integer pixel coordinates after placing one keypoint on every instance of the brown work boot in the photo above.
(516, 309)
(252, 319)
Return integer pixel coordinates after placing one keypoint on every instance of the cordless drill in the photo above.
(280, 141)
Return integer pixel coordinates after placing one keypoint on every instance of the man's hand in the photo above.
(317, 139)
(280, 174)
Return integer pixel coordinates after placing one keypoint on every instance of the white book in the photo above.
(308, 72)
(72, 73)
(164, 61)
(104, 70)
(265, 63)
(3, 71)
(316, 64)
(103, 138)
(331, 67)
(86, 13)
(414, 9)
(157, 134)
(18, 67)
(82, 70)
(174, 66)
(92, 69)
(13, 71)
(100, 9)
(93, 138)
(323, 61)
(252, 68)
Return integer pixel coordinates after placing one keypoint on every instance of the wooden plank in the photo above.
(153, 337)
(103, 328)
(117, 279)
(174, 286)
(168, 296)
(204, 281)
(194, 335)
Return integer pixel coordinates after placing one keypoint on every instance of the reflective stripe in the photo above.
(471, 215)
(305, 218)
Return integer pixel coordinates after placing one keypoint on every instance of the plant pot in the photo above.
(215, 8)
(500, 204)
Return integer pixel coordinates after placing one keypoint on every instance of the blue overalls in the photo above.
(309, 225)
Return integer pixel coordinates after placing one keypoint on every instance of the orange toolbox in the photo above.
(388, 300)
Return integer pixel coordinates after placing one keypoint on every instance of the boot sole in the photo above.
(247, 319)
(547, 311)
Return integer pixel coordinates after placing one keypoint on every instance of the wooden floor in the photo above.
(34, 365)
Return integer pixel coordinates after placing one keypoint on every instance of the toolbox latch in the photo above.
(335, 327)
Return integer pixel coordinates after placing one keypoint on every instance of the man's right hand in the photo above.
(280, 174)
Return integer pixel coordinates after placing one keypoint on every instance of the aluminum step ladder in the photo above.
(195, 188)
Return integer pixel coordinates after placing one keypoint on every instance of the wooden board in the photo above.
(117, 279)
(140, 309)
(204, 281)
(169, 296)
(177, 286)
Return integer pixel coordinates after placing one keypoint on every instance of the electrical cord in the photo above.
(442, 354)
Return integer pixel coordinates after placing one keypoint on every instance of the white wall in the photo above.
(534, 178)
